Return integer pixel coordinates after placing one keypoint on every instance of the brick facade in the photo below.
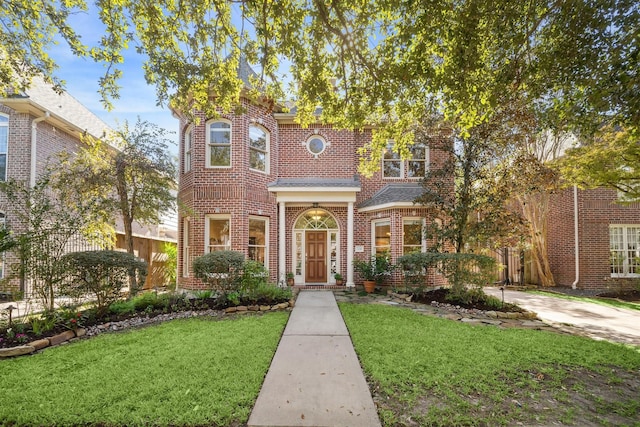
(239, 192)
(56, 133)
(598, 210)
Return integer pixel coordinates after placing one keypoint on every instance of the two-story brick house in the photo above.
(291, 197)
(34, 127)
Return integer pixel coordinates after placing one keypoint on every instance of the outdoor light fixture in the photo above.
(10, 309)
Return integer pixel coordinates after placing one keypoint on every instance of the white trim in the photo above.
(282, 244)
(207, 220)
(187, 133)
(207, 162)
(267, 151)
(325, 144)
(387, 206)
(6, 152)
(264, 219)
(350, 283)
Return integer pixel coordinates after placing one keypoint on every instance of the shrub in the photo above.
(222, 270)
(254, 275)
(122, 307)
(377, 268)
(268, 294)
(149, 301)
(102, 274)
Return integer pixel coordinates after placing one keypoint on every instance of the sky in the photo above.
(81, 76)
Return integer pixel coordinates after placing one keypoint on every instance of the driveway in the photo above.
(594, 320)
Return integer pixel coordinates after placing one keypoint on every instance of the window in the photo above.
(187, 149)
(412, 235)
(4, 142)
(624, 244)
(258, 149)
(219, 144)
(316, 145)
(217, 232)
(258, 240)
(186, 248)
(392, 166)
(418, 165)
(381, 237)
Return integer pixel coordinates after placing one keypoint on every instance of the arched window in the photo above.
(218, 144)
(258, 149)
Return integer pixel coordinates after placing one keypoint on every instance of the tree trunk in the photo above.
(535, 208)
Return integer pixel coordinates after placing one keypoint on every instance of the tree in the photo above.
(610, 160)
(131, 174)
(391, 59)
(47, 222)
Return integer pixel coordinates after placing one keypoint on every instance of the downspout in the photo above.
(34, 139)
(32, 172)
(576, 236)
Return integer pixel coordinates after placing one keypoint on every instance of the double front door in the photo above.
(316, 256)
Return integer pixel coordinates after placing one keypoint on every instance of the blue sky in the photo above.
(81, 76)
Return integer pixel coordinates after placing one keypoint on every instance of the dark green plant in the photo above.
(377, 268)
(221, 270)
(41, 325)
(102, 274)
(170, 265)
(253, 275)
(150, 301)
(122, 307)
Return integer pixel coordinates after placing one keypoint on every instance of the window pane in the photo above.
(316, 145)
(220, 156)
(257, 160)
(413, 232)
(416, 169)
(382, 242)
(418, 152)
(219, 137)
(3, 167)
(392, 169)
(220, 125)
(219, 234)
(257, 233)
(4, 132)
(257, 138)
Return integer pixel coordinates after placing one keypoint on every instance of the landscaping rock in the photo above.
(60, 338)
(254, 308)
(81, 332)
(265, 307)
(231, 309)
(491, 314)
(242, 308)
(17, 351)
(39, 344)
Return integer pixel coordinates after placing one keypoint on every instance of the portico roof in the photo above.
(315, 189)
(392, 196)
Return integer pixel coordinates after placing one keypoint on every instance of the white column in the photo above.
(350, 283)
(282, 244)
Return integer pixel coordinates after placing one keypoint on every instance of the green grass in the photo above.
(440, 372)
(602, 301)
(183, 372)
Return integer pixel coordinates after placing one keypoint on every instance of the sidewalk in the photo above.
(315, 377)
(594, 320)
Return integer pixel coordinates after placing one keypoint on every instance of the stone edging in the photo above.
(90, 331)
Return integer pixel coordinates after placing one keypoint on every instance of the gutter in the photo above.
(34, 138)
(576, 236)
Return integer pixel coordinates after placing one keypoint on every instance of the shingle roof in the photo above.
(245, 72)
(66, 107)
(394, 193)
(316, 182)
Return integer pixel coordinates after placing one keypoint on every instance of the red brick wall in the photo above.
(597, 211)
(239, 192)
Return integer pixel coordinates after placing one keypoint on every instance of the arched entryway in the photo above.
(316, 247)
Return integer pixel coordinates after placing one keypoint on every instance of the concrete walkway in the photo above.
(315, 377)
(595, 320)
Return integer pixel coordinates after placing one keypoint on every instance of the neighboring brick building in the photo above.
(44, 122)
(291, 197)
(608, 235)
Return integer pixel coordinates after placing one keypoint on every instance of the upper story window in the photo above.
(258, 149)
(188, 137)
(218, 144)
(4, 142)
(416, 167)
(316, 145)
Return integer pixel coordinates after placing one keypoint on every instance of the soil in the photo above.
(441, 296)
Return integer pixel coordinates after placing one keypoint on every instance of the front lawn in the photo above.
(183, 372)
(430, 371)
